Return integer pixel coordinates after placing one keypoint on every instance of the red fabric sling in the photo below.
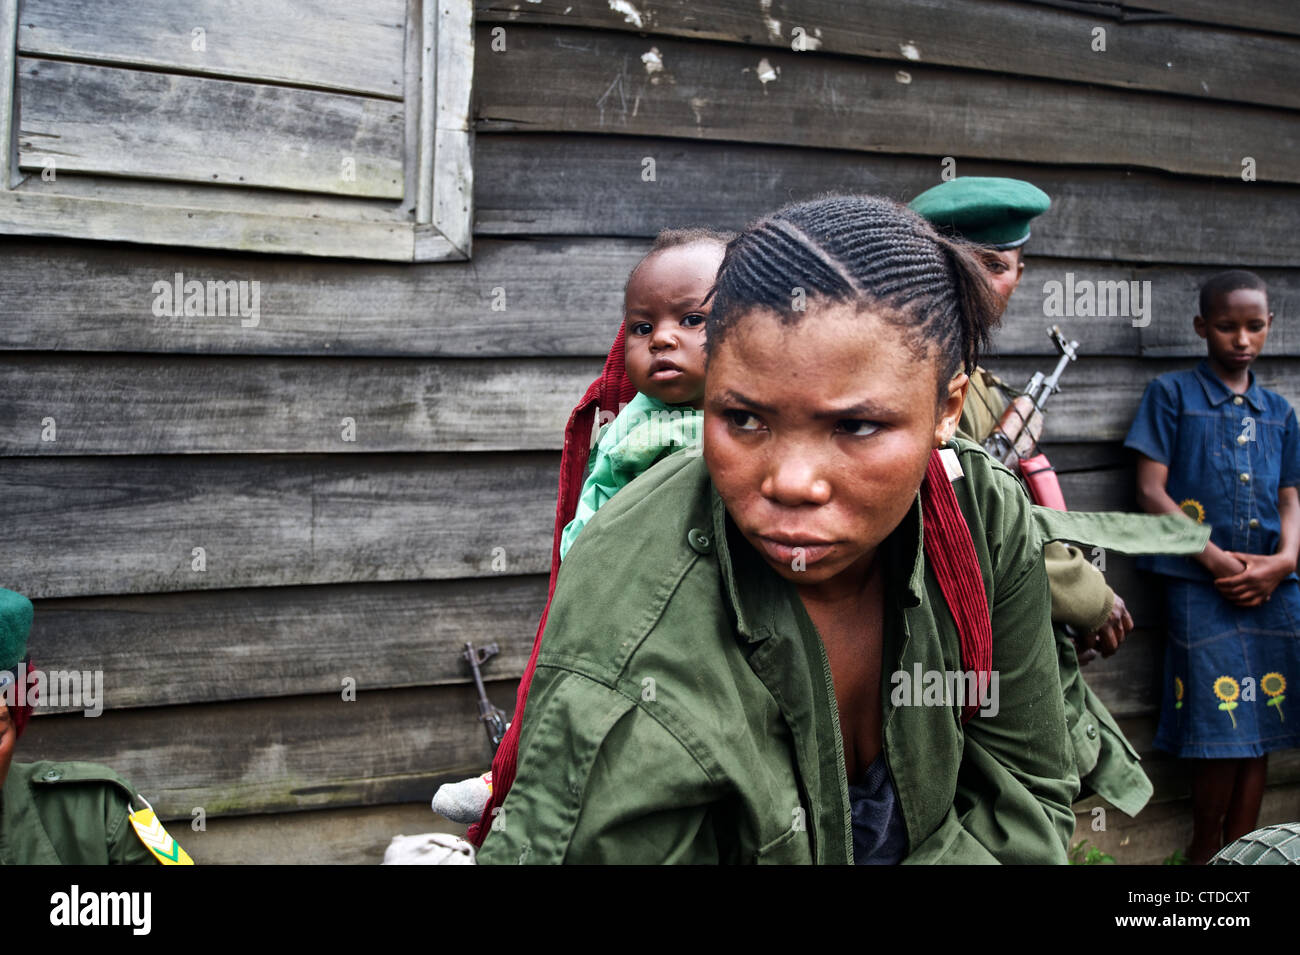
(951, 555)
(947, 542)
(609, 392)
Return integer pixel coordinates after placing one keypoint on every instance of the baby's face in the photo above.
(664, 313)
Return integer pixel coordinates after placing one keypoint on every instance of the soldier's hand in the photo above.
(1085, 646)
(1111, 634)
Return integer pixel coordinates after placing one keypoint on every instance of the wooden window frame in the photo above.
(432, 223)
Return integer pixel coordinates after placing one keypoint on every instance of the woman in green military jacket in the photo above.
(732, 665)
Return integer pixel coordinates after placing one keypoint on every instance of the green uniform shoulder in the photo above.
(637, 611)
(990, 486)
(647, 534)
(70, 813)
(56, 774)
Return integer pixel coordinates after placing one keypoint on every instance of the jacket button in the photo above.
(1091, 731)
(1245, 478)
(1238, 400)
(1242, 439)
(700, 542)
(53, 776)
(1254, 522)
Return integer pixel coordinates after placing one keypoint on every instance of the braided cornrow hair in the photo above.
(863, 249)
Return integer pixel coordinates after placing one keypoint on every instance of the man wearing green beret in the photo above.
(995, 214)
(61, 813)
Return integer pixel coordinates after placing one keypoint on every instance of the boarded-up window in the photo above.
(324, 127)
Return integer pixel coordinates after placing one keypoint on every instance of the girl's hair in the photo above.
(866, 250)
(1218, 286)
(672, 238)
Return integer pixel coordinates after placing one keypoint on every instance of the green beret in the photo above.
(984, 210)
(15, 625)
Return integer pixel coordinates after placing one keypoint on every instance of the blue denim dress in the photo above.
(1228, 669)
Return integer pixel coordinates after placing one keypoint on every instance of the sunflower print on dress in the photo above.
(1226, 689)
(1193, 509)
(1273, 684)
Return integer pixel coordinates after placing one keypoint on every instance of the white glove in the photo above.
(431, 848)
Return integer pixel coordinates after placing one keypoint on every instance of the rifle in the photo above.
(494, 718)
(1014, 441)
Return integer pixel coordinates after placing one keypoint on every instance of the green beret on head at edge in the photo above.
(987, 211)
(15, 625)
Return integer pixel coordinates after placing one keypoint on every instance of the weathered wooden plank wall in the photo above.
(287, 139)
(288, 42)
(375, 559)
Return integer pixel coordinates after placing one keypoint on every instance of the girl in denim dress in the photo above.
(1214, 444)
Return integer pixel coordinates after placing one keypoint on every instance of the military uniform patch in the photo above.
(157, 839)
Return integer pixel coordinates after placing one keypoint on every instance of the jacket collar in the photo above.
(761, 599)
(1216, 392)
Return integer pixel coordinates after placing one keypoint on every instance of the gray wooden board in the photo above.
(127, 404)
(553, 297)
(355, 836)
(1089, 456)
(451, 196)
(542, 184)
(1277, 15)
(91, 526)
(127, 221)
(163, 128)
(332, 44)
(194, 405)
(556, 297)
(258, 756)
(8, 119)
(1097, 491)
(351, 211)
(601, 82)
(1184, 58)
(283, 641)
